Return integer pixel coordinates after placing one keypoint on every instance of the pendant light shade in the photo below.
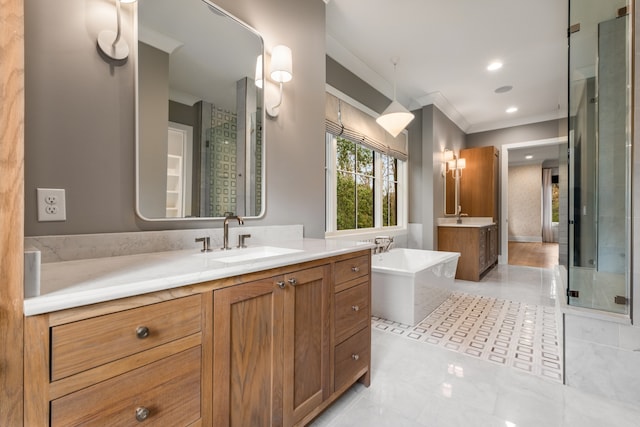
(395, 117)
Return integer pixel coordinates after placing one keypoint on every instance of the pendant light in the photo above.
(395, 117)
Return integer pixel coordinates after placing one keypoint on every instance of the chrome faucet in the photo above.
(460, 215)
(226, 230)
(388, 240)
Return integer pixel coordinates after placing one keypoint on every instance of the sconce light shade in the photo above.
(451, 165)
(395, 118)
(281, 64)
(111, 43)
(259, 75)
(448, 155)
(281, 72)
(462, 163)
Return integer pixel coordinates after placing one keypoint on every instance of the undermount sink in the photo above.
(257, 253)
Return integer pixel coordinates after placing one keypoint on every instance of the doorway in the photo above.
(527, 238)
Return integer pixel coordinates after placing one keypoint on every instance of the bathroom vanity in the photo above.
(269, 341)
(476, 239)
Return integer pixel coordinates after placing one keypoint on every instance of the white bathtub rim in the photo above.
(439, 257)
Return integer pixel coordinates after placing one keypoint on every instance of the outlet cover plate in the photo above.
(51, 204)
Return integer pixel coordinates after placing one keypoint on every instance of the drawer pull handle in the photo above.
(293, 281)
(142, 332)
(281, 285)
(355, 356)
(355, 269)
(355, 307)
(142, 413)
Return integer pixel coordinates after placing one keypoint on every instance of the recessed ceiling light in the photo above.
(495, 65)
(503, 89)
(511, 110)
(528, 157)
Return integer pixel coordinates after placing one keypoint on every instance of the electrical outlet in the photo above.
(51, 204)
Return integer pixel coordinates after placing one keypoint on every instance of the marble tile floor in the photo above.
(523, 336)
(418, 385)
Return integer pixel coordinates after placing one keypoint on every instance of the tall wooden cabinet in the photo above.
(479, 184)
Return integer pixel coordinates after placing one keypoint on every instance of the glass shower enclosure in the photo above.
(599, 160)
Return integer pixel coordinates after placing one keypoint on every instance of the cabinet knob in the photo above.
(142, 332)
(355, 356)
(281, 285)
(355, 269)
(142, 413)
(355, 307)
(293, 281)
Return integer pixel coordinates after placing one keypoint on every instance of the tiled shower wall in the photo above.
(223, 159)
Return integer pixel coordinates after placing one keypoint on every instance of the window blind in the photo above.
(345, 120)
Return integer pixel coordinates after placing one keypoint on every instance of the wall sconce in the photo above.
(447, 156)
(455, 166)
(281, 72)
(395, 117)
(110, 43)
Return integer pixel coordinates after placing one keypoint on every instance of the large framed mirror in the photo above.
(200, 113)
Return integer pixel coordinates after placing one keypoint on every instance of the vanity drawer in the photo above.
(352, 311)
(352, 268)
(351, 357)
(169, 389)
(78, 346)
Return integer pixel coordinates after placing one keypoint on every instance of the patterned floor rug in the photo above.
(523, 336)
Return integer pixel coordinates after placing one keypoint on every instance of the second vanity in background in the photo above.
(476, 239)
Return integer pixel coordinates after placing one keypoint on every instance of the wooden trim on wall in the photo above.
(11, 210)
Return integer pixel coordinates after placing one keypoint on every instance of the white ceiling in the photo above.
(443, 48)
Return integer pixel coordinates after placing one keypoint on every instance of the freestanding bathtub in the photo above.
(408, 284)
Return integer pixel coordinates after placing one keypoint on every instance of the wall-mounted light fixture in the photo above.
(111, 43)
(281, 72)
(447, 156)
(455, 166)
(395, 117)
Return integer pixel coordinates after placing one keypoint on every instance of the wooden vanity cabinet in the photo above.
(352, 300)
(478, 247)
(119, 363)
(288, 345)
(271, 349)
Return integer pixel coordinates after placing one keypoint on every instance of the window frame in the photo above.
(331, 195)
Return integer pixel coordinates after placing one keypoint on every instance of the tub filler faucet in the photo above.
(383, 244)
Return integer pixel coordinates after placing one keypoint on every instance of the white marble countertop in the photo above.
(76, 283)
(467, 221)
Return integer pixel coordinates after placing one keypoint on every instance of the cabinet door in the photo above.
(247, 354)
(306, 346)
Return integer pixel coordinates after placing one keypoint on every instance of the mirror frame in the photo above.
(263, 115)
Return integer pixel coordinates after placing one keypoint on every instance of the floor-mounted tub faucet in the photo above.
(226, 230)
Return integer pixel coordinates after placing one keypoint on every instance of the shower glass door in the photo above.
(599, 154)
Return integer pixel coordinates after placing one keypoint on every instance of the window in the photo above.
(362, 187)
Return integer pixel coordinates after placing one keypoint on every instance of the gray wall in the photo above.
(438, 133)
(153, 72)
(510, 135)
(80, 130)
